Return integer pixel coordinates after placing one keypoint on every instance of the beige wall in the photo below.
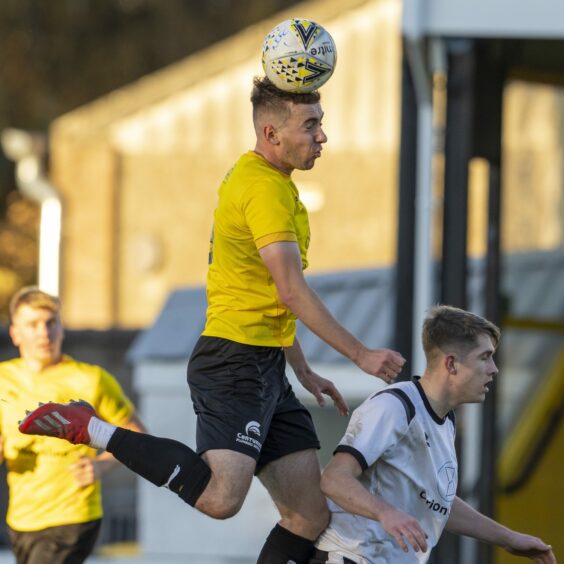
(532, 175)
(166, 211)
(167, 207)
(141, 188)
(533, 153)
(139, 171)
(85, 174)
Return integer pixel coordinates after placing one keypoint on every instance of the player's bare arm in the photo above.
(311, 381)
(284, 264)
(465, 520)
(340, 483)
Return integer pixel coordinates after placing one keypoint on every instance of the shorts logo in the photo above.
(251, 428)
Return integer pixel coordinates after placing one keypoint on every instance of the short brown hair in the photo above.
(265, 96)
(33, 297)
(447, 327)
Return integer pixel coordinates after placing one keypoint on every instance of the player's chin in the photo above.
(478, 397)
(310, 163)
(45, 353)
(307, 165)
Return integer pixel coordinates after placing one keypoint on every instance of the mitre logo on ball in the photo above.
(299, 55)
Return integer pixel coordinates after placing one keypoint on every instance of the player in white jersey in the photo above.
(392, 481)
(402, 447)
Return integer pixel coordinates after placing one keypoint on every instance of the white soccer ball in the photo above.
(299, 56)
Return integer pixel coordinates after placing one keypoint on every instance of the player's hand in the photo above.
(530, 547)
(404, 528)
(383, 363)
(318, 386)
(87, 470)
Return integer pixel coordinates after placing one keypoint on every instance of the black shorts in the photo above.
(244, 402)
(64, 544)
(321, 556)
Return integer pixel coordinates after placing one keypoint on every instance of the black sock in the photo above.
(283, 546)
(163, 462)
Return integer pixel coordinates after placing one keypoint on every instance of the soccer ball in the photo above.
(299, 56)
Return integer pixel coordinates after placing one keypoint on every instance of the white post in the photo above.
(27, 151)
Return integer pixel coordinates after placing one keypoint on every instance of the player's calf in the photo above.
(163, 462)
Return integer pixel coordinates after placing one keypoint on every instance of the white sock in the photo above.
(100, 432)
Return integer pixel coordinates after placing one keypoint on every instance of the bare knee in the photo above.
(293, 484)
(220, 508)
(310, 524)
(220, 500)
(232, 474)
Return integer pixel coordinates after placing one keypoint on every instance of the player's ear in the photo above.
(450, 363)
(271, 134)
(14, 335)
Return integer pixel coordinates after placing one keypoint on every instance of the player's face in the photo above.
(38, 333)
(301, 137)
(475, 371)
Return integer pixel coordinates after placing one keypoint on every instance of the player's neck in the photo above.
(438, 399)
(39, 365)
(273, 161)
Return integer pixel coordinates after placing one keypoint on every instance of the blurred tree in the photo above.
(61, 54)
(18, 244)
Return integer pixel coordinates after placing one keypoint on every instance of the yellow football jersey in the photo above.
(43, 491)
(258, 205)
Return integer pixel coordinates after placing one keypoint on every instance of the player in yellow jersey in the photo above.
(249, 420)
(55, 508)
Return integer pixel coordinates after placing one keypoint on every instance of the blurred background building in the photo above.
(137, 168)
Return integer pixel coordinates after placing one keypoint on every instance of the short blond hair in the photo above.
(34, 297)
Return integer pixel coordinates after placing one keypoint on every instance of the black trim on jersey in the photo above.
(353, 452)
(404, 398)
(450, 415)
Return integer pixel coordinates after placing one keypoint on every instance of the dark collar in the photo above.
(430, 410)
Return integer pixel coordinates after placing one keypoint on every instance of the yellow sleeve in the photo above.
(275, 237)
(269, 209)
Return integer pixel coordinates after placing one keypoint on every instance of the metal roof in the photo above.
(483, 18)
(363, 301)
(175, 330)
